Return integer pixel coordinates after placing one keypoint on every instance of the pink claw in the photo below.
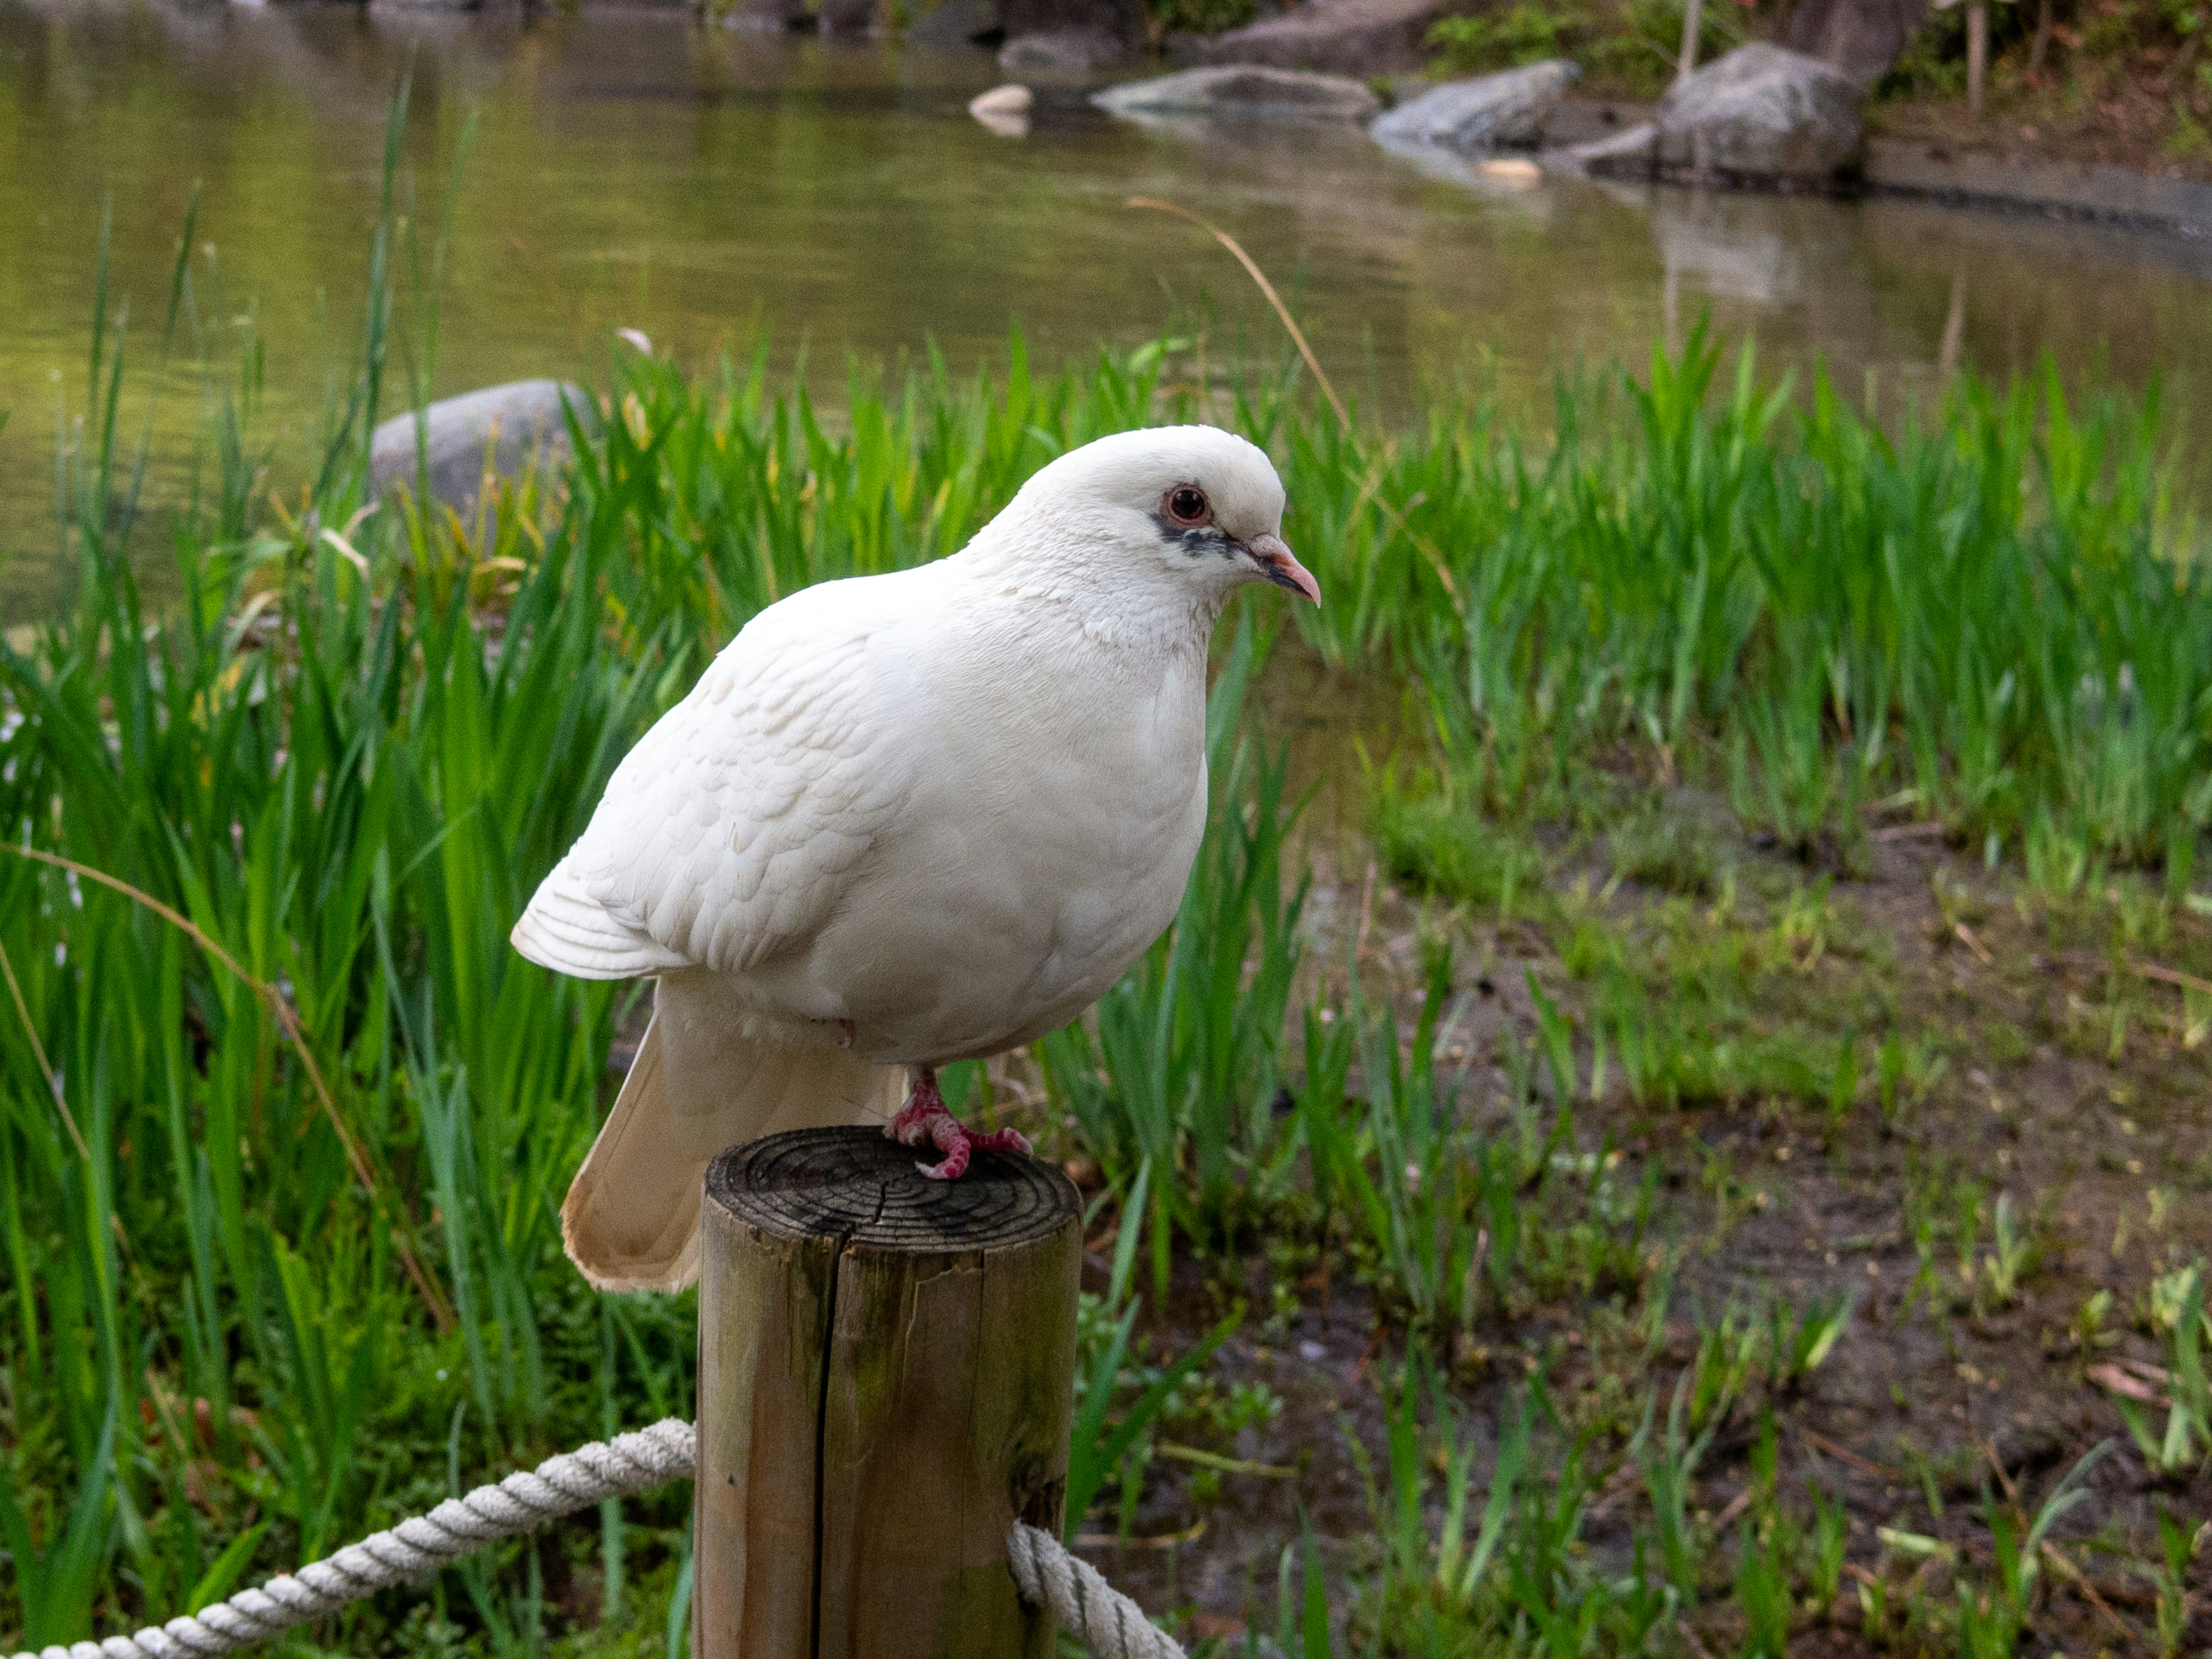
(924, 1118)
(959, 1143)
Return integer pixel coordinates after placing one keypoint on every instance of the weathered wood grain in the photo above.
(885, 1382)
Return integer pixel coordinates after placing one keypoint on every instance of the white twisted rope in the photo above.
(1110, 1624)
(1081, 1601)
(560, 1486)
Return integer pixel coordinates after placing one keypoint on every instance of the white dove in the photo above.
(905, 820)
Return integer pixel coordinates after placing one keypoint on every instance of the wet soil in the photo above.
(2072, 1084)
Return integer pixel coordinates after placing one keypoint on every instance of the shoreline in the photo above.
(1918, 168)
(2087, 192)
(1925, 169)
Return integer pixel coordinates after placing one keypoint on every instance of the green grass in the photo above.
(1995, 617)
(284, 1124)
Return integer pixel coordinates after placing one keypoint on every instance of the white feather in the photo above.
(902, 820)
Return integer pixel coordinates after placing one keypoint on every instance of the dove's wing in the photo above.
(731, 832)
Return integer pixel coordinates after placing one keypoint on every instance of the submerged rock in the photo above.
(1249, 91)
(498, 430)
(1758, 114)
(1349, 37)
(1491, 111)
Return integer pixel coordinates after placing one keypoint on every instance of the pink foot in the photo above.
(924, 1118)
(910, 1128)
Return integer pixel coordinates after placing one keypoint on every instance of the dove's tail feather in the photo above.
(631, 1219)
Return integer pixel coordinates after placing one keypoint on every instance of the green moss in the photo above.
(1457, 854)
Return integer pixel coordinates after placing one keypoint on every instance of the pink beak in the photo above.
(1281, 567)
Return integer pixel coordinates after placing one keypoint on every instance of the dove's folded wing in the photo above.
(732, 831)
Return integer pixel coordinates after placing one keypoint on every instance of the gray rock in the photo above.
(1345, 36)
(499, 429)
(1247, 91)
(1004, 110)
(1491, 112)
(1063, 49)
(1008, 100)
(1761, 112)
(1862, 38)
(956, 23)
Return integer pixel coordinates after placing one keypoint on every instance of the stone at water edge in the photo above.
(1249, 91)
(1011, 99)
(1004, 110)
(1079, 50)
(1347, 37)
(512, 425)
(1490, 112)
(1761, 112)
(1511, 170)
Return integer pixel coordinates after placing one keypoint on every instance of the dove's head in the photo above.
(1192, 508)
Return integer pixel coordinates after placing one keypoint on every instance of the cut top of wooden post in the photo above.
(860, 1187)
(886, 1368)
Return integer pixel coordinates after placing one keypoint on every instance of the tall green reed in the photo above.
(280, 1160)
(1996, 612)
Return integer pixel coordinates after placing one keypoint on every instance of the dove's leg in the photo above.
(911, 1126)
(924, 1118)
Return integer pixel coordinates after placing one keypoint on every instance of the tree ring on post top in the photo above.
(858, 1185)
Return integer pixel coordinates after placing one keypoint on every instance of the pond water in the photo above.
(710, 187)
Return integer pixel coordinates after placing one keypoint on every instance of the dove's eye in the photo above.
(1187, 505)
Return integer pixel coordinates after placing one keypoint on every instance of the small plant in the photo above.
(2012, 1257)
(2088, 1330)
(1807, 922)
(1668, 1470)
(1904, 1071)
(1451, 1566)
(1993, 1614)
(1843, 1083)
(1426, 1198)
(1825, 1548)
(2185, 1444)
(1727, 1359)
(1762, 1591)
(1302, 1615)
(2179, 1544)
(1118, 1406)
(1799, 1344)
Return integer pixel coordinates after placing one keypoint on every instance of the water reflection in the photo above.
(634, 170)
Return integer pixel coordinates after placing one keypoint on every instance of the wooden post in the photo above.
(1977, 54)
(886, 1371)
